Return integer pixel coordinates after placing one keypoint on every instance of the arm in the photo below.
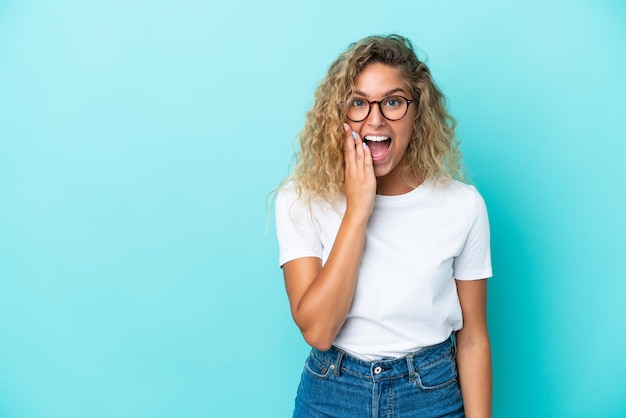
(320, 297)
(474, 349)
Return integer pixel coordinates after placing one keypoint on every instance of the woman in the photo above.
(384, 250)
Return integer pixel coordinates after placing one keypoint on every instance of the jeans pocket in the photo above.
(437, 375)
(318, 368)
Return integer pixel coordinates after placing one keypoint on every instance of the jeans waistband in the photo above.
(341, 362)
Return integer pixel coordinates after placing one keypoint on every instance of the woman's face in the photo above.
(387, 140)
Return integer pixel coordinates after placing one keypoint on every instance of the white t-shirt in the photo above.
(416, 245)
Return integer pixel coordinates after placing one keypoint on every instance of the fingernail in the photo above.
(346, 126)
(364, 145)
(354, 135)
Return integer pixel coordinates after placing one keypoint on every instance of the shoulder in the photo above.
(454, 189)
(286, 197)
(289, 195)
(286, 193)
(293, 203)
(460, 198)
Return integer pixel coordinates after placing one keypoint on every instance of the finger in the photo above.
(348, 144)
(358, 146)
(368, 163)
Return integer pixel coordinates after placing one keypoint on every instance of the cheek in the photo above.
(406, 132)
(355, 126)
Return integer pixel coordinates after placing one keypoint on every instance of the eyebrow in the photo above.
(360, 93)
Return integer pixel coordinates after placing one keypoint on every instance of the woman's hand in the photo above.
(360, 181)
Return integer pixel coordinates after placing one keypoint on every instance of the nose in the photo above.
(375, 118)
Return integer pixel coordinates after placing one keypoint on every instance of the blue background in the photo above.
(138, 144)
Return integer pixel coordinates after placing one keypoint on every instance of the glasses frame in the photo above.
(378, 102)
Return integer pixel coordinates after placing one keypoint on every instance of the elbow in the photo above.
(466, 338)
(318, 333)
(317, 340)
(321, 345)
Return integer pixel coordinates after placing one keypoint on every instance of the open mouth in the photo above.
(378, 145)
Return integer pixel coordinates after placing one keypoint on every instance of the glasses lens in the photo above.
(393, 107)
(357, 109)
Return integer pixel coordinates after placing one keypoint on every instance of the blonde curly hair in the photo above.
(433, 149)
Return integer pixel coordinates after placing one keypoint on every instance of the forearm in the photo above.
(324, 306)
(320, 296)
(475, 377)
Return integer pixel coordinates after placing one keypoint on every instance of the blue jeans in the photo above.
(423, 384)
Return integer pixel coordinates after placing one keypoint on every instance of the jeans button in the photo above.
(378, 369)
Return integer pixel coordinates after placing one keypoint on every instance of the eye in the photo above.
(358, 102)
(393, 101)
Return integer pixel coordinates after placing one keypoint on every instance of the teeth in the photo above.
(377, 138)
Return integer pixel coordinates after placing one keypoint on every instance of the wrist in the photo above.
(356, 218)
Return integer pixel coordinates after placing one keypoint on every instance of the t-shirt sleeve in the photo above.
(474, 261)
(295, 229)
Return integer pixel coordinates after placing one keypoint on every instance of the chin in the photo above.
(381, 171)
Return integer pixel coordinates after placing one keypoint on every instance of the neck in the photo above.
(396, 183)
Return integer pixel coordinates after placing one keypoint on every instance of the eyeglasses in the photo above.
(391, 107)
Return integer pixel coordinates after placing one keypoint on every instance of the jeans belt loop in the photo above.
(453, 338)
(410, 366)
(340, 354)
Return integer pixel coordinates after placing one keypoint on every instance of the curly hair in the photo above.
(433, 148)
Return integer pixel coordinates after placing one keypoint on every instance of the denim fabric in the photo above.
(423, 384)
